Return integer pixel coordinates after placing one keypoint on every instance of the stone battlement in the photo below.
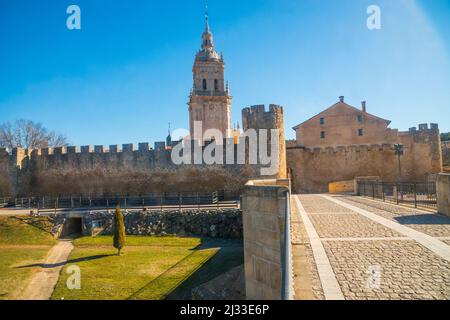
(257, 117)
(98, 149)
(351, 148)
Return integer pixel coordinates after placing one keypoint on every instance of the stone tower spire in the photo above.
(207, 37)
(210, 102)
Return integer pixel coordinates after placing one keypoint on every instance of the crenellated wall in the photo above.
(314, 168)
(257, 118)
(127, 169)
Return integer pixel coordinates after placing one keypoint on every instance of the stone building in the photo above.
(344, 142)
(210, 100)
(342, 124)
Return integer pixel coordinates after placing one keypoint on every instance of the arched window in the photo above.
(204, 84)
(216, 85)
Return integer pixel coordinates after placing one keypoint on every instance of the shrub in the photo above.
(119, 231)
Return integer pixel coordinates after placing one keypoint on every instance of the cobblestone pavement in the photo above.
(372, 261)
(427, 222)
(349, 226)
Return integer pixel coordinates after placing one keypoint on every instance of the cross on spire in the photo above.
(206, 16)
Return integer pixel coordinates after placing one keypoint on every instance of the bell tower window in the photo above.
(216, 85)
(204, 84)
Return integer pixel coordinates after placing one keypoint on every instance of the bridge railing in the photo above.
(172, 199)
(420, 194)
(287, 275)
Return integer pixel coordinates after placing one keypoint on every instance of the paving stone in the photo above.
(430, 223)
(399, 263)
(351, 226)
(408, 270)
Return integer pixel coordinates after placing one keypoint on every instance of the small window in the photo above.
(360, 118)
(360, 132)
(322, 134)
(322, 120)
(204, 84)
(216, 85)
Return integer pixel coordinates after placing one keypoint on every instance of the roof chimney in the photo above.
(341, 98)
(363, 104)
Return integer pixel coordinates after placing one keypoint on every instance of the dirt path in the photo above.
(43, 283)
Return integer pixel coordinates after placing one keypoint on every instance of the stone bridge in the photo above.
(344, 247)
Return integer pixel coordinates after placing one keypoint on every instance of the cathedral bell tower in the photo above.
(210, 100)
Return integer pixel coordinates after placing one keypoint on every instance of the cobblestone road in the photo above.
(369, 257)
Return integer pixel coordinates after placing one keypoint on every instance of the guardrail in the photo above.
(168, 199)
(287, 277)
(420, 194)
(4, 201)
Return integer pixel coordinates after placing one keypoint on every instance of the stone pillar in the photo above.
(263, 206)
(443, 193)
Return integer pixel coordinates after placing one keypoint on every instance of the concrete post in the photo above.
(443, 193)
(263, 206)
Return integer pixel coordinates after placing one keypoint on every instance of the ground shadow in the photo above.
(423, 219)
(70, 237)
(35, 223)
(229, 255)
(55, 265)
(224, 260)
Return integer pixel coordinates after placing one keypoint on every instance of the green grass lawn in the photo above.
(23, 241)
(150, 268)
(24, 230)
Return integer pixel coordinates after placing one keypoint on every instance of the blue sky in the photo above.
(128, 71)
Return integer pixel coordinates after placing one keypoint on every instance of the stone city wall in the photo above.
(313, 169)
(98, 170)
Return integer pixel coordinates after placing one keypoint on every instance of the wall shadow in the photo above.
(230, 254)
(54, 265)
(424, 219)
(34, 222)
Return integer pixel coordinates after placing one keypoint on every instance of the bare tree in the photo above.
(29, 135)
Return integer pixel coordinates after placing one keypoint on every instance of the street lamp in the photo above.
(399, 151)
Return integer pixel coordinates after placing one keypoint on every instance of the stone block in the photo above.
(98, 149)
(86, 149)
(262, 270)
(443, 193)
(129, 147)
(144, 147)
(59, 150)
(275, 276)
(114, 148)
(72, 149)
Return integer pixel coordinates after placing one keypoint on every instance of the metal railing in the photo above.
(168, 199)
(287, 283)
(421, 194)
(4, 201)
